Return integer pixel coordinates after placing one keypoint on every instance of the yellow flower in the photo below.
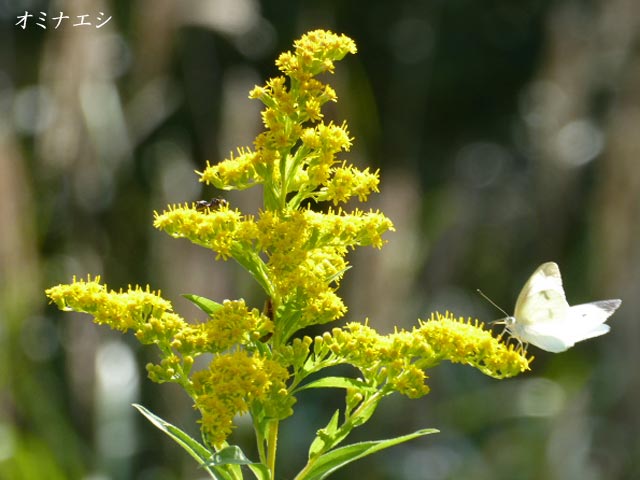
(397, 361)
(122, 311)
(461, 341)
(232, 384)
(220, 230)
(237, 172)
(315, 53)
(292, 159)
(233, 324)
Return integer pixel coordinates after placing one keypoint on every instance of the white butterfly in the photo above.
(543, 317)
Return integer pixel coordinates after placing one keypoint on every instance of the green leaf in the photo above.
(262, 348)
(325, 436)
(199, 452)
(336, 382)
(260, 471)
(233, 455)
(338, 458)
(364, 412)
(337, 275)
(252, 262)
(205, 304)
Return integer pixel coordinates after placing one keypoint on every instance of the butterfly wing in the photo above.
(545, 339)
(542, 299)
(587, 320)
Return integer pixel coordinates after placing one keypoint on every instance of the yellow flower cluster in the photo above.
(235, 384)
(218, 230)
(468, 342)
(236, 172)
(315, 53)
(234, 380)
(397, 362)
(347, 182)
(233, 324)
(297, 256)
(134, 309)
(153, 321)
(295, 157)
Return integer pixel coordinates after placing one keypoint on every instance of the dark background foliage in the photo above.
(506, 135)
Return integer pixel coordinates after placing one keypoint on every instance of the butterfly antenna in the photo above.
(492, 302)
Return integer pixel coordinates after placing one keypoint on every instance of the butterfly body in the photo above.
(544, 318)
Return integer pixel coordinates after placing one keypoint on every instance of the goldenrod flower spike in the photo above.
(238, 359)
(295, 157)
(466, 341)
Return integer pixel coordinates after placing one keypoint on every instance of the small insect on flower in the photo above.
(268, 308)
(268, 311)
(211, 204)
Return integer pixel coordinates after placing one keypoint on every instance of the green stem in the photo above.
(272, 446)
(260, 443)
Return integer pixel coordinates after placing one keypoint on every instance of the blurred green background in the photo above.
(507, 134)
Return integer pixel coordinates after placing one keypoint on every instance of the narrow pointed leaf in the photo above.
(260, 471)
(335, 382)
(325, 436)
(205, 304)
(337, 275)
(194, 448)
(338, 458)
(233, 455)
